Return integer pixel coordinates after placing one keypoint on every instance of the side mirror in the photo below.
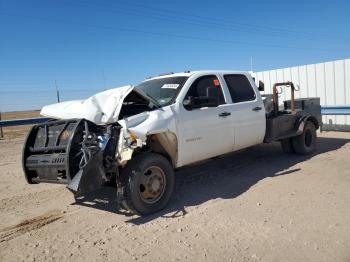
(261, 86)
(210, 100)
(188, 103)
(195, 102)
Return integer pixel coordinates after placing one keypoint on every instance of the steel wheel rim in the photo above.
(152, 185)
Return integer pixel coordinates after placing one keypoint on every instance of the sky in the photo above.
(81, 47)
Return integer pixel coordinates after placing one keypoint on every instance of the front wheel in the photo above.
(148, 182)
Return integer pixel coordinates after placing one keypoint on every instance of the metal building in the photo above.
(330, 81)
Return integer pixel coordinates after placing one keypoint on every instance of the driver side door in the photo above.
(204, 131)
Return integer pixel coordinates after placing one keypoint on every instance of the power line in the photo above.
(206, 24)
(195, 19)
(208, 18)
(154, 33)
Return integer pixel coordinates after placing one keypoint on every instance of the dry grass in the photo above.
(20, 114)
(17, 131)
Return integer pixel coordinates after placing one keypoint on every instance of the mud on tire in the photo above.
(148, 182)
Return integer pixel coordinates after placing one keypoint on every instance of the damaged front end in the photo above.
(92, 140)
(75, 152)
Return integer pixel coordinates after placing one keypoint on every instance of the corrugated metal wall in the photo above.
(330, 81)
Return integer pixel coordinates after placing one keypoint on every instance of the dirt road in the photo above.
(255, 205)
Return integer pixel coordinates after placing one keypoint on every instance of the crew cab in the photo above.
(137, 136)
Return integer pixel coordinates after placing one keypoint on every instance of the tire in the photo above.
(148, 182)
(305, 143)
(287, 145)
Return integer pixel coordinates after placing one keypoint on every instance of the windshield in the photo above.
(163, 90)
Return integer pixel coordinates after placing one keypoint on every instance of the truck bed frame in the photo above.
(289, 121)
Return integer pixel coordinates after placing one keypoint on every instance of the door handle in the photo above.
(224, 114)
(256, 109)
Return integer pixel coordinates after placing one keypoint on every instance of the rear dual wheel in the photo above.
(303, 144)
(287, 145)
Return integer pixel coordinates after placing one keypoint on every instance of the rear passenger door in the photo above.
(247, 110)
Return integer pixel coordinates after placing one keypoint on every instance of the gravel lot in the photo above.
(255, 205)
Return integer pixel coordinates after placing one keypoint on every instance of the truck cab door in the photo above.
(247, 111)
(203, 124)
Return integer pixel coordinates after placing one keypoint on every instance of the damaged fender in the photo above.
(138, 128)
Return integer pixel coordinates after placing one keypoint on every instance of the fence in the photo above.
(325, 110)
(330, 81)
(20, 122)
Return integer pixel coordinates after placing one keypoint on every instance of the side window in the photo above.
(206, 87)
(240, 88)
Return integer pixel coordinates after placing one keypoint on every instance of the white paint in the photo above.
(201, 133)
(102, 108)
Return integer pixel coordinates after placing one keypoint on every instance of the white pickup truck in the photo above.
(136, 136)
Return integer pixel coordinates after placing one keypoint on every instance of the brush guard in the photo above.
(75, 152)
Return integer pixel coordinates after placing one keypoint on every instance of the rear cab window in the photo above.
(240, 88)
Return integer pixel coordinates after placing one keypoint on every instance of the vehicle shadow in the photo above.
(224, 177)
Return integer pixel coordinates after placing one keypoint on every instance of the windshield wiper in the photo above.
(144, 94)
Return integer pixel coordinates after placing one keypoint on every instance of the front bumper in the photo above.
(65, 152)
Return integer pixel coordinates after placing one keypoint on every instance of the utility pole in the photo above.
(57, 92)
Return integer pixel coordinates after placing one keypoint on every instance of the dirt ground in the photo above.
(255, 205)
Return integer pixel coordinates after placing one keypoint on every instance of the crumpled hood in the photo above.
(102, 108)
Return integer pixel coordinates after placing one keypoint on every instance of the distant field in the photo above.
(17, 131)
(20, 114)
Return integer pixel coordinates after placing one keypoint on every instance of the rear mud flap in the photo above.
(90, 178)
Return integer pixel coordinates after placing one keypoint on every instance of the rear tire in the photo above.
(287, 145)
(305, 143)
(148, 182)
